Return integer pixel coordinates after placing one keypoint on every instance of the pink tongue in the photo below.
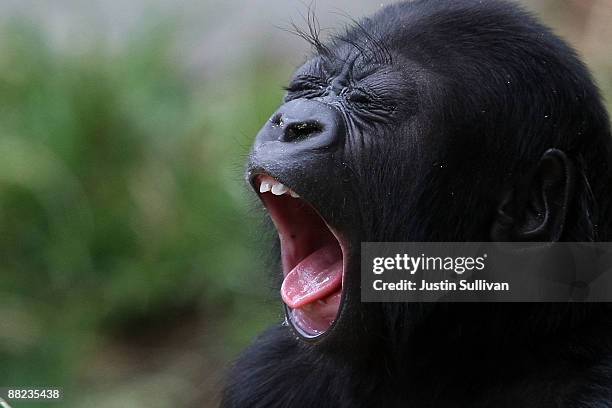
(315, 277)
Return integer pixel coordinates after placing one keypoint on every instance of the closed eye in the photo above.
(367, 104)
(359, 96)
(305, 86)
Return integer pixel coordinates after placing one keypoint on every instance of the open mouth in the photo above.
(312, 258)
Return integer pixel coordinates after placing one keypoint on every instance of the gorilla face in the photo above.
(308, 166)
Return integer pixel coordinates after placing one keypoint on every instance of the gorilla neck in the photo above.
(450, 333)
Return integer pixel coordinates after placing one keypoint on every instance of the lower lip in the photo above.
(313, 320)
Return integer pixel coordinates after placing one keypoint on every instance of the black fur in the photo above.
(467, 96)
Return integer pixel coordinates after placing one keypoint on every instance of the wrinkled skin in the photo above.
(440, 121)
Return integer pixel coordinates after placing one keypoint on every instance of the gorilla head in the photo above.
(429, 121)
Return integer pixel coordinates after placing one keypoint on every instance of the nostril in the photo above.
(276, 119)
(301, 130)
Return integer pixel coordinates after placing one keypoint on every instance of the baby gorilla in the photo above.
(430, 121)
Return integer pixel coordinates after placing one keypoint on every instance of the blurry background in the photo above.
(131, 270)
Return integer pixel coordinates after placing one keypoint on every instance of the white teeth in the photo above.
(264, 187)
(279, 189)
(269, 184)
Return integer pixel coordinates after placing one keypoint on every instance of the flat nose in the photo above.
(293, 128)
(305, 121)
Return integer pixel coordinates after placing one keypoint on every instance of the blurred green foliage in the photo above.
(125, 224)
(122, 201)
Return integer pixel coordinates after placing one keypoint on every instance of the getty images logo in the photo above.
(413, 264)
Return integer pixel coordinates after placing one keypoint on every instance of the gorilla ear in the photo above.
(536, 210)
